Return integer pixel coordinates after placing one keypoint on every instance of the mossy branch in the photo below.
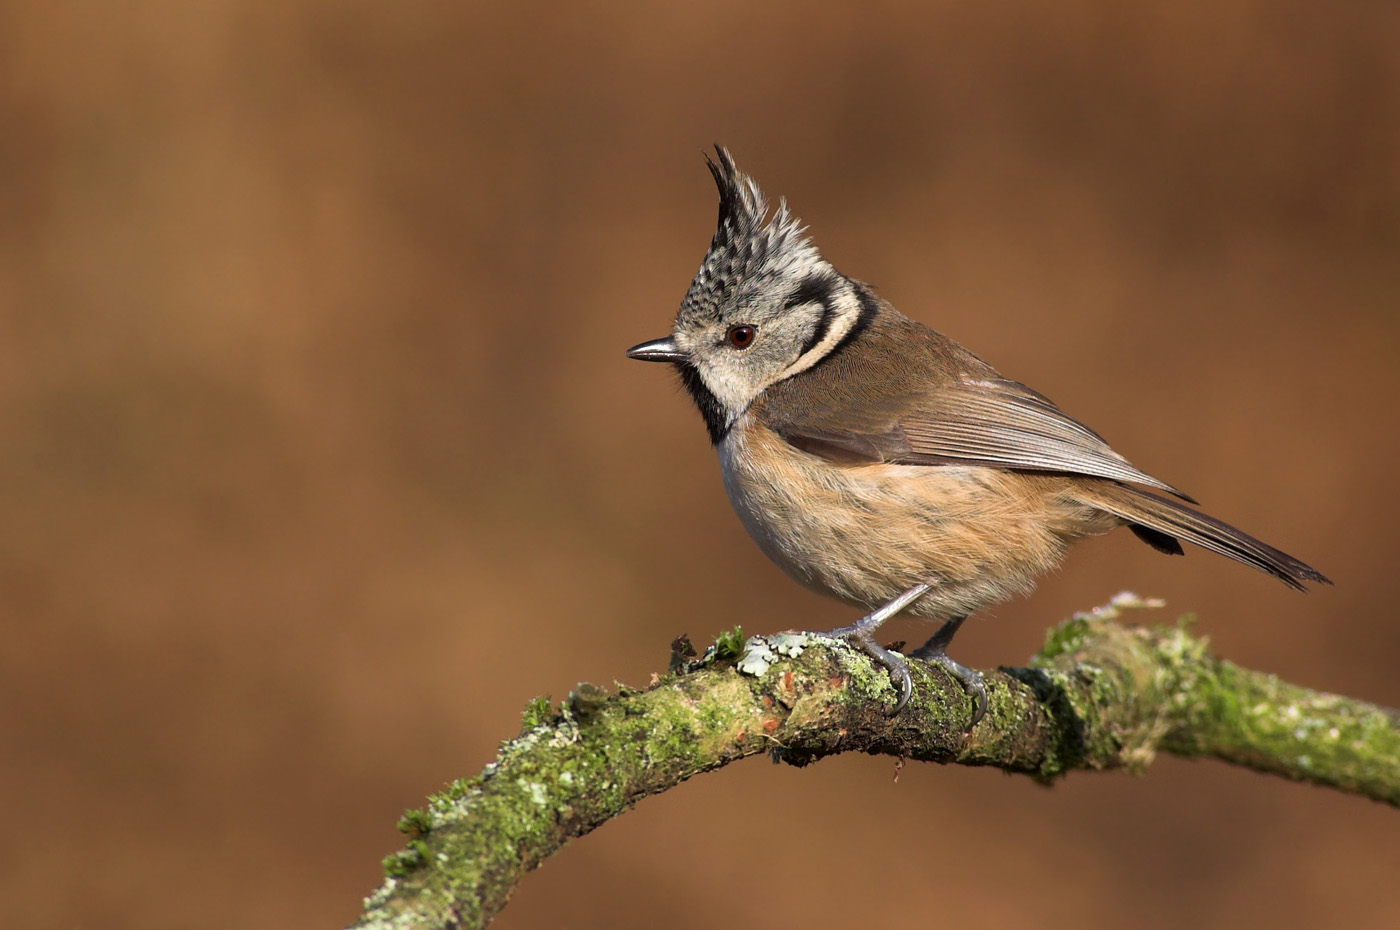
(1100, 695)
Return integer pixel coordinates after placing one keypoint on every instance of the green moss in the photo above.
(416, 823)
(1380, 734)
(865, 679)
(406, 861)
(537, 713)
(729, 645)
(457, 790)
(1064, 639)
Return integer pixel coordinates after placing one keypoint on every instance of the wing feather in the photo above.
(1000, 422)
(915, 397)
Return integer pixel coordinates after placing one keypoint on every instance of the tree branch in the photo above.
(1099, 695)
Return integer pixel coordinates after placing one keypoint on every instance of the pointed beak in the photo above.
(658, 350)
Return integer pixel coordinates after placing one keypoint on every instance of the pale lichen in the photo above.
(789, 644)
(757, 657)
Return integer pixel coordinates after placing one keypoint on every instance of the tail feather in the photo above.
(1152, 517)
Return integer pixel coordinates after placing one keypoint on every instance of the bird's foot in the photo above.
(935, 651)
(893, 661)
(861, 634)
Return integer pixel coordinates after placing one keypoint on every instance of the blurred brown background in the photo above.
(320, 456)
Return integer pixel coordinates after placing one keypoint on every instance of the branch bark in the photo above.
(1099, 695)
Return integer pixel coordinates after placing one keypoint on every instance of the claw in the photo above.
(972, 683)
(861, 635)
(935, 651)
(891, 660)
(906, 687)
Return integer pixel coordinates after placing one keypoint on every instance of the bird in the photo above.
(879, 462)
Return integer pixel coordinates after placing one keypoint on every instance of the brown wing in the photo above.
(904, 394)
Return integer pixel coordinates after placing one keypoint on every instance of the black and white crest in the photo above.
(750, 250)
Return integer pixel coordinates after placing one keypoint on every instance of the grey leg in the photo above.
(935, 650)
(861, 634)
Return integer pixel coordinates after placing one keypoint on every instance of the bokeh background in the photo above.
(319, 455)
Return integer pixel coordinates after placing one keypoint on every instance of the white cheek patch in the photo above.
(731, 389)
(726, 381)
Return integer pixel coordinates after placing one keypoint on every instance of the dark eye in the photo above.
(741, 337)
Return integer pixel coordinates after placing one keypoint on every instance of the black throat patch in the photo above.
(708, 404)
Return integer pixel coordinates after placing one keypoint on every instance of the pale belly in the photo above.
(865, 533)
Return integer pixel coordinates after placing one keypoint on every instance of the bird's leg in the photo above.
(935, 650)
(862, 634)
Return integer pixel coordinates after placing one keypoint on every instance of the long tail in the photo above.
(1160, 523)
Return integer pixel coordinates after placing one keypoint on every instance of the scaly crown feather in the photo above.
(746, 252)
